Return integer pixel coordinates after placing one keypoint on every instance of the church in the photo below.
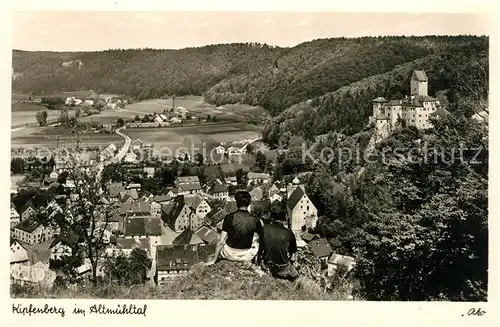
(301, 211)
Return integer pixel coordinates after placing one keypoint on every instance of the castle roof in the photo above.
(380, 100)
(419, 75)
(440, 112)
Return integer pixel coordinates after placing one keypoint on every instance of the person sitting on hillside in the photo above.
(240, 230)
(278, 248)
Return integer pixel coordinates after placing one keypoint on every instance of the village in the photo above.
(177, 227)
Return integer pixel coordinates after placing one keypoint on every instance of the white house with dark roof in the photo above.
(28, 211)
(124, 246)
(15, 218)
(258, 178)
(32, 232)
(301, 211)
(188, 185)
(18, 252)
(198, 205)
(218, 191)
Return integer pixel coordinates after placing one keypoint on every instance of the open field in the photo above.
(193, 138)
(49, 137)
(230, 127)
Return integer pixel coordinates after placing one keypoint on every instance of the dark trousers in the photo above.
(286, 271)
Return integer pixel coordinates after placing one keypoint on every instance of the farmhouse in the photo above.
(258, 178)
(219, 191)
(301, 211)
(38, 274)
(138, 208)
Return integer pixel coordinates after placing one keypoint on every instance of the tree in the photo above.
(249, 148)
(260, 161)
(119, 122)
(64, 117)
(199, 159)
(146, 119)
(77, 112)
(240, 177)
(17, 166)
(137, 118)
(41, 117)
(87, 216)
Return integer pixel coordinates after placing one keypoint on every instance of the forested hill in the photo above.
(273, 77)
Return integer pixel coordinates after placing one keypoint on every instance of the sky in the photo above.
(101, 30)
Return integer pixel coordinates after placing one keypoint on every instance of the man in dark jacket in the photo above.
(240, 231)
(278, 248)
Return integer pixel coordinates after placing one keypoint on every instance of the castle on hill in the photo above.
(414, 110)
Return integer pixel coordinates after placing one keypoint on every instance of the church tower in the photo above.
(418, 83)
(291, 187)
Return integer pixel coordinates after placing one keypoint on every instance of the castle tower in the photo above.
(418, 83)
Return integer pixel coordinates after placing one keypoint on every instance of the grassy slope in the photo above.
(223, 281)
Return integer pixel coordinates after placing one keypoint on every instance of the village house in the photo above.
(143, 227)
(275, 198)
(273, 190)
(124, 246)
(18, 252)
(15, 218)
(31, 232)
(129, 194)
(178, 216)
(155, 208)
(301, 211)
(164, 199)
(231, 180)
(207, 235)
(114, 189)
(321, 249)
(64, 245)
(137, 144)
(218, 191)
(174, 260)
(256, 194)
(130, 157)
(37, 274)
(258, 178)
(149, 172)
(414, 110)
(28, 211)
(188, 185)
(198, 206)
(188, 237)
(308, 237)
(337, 261)
(138, 208)
(54, 175)
(220, 150)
